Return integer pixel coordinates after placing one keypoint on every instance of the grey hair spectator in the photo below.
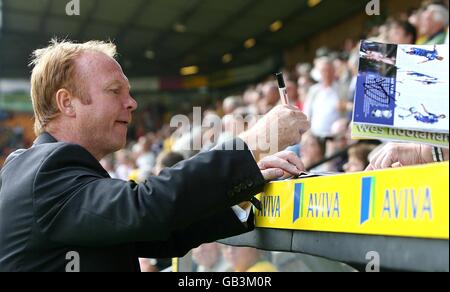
(433, 23)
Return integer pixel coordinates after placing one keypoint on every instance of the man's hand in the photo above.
(281, 127)
(400, 154)
(275, 166)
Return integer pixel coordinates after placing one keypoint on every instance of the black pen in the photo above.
(282, 89)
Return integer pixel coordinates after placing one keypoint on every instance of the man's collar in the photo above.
(44, 138)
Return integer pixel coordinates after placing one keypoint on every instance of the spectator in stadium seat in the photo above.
(271, 97)
(251, 97)
(292, 92)
(304, 83)
(433, 23)
(56, 200)
(402, 33)
(358, 157)
(231, 103)
(322, 102)
(312, 149)
(337, 142)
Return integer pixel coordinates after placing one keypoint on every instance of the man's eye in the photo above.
(115, 91)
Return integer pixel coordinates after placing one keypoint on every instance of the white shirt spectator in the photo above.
(321, 108)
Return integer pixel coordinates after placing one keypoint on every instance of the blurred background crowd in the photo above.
(323, 88)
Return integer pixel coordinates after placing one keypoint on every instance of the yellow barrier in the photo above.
(410, 202)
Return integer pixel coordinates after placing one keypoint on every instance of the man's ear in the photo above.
(64, 101)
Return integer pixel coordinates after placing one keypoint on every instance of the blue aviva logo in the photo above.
(317, 205)
(298, 202)
(368, 198)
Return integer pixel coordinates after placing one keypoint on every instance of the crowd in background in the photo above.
(323, 89)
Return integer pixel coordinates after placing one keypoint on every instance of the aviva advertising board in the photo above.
(411, 202)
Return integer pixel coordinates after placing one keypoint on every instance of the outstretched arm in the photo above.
(84, 207)
(402, 154)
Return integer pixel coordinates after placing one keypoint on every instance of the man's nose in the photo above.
(131, 103)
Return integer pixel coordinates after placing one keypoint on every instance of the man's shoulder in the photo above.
(37, 154)
(36, 150)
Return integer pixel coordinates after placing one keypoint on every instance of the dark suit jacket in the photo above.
(55, 198)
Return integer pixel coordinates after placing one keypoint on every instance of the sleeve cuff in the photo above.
(242, 214)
